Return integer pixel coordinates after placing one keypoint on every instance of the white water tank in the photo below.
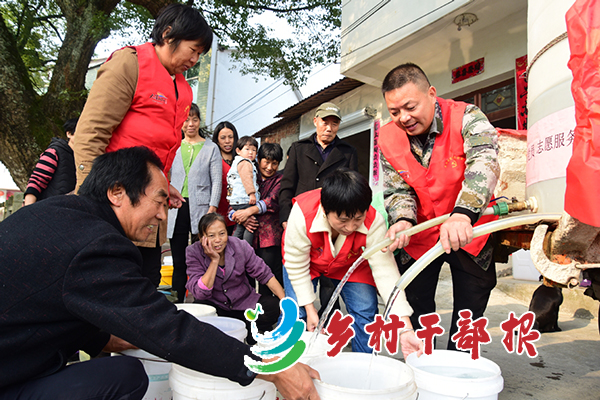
(551, 111)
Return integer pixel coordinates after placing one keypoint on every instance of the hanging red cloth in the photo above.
(583, 172)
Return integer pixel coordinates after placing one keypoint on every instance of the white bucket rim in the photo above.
(236, 328)
(141, 354)
(373, 392)
(197, 310)
(187, 382)
(478, 387)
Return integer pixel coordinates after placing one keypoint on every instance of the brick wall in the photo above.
(285, 135)
(292, 128)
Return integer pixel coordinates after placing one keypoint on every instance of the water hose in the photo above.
(437, 250)
(502, 208)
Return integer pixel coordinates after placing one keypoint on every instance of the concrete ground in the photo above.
(568, 363)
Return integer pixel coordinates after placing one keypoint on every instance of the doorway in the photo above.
(362, 143)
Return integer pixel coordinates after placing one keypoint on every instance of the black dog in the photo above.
(545, 302)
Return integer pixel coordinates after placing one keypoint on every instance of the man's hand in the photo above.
(295, 383)
(117, 345)
(456, 232)
(402, 240)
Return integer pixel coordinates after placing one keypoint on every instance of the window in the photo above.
(498, 102)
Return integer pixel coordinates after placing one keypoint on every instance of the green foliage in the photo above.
(130, 22)
(307, 32)
(38, 27)
(312, 37)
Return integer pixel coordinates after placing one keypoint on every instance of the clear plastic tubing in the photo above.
(414, 230)
(437, 250)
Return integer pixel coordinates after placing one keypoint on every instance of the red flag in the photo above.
(583, 171)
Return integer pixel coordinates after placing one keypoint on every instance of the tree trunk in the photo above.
(29, 120)
(86, 26)
(20, 115)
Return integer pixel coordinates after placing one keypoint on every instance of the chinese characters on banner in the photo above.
(470, 336)
(431, 329)
(521, 72)
(390, 332)
(550, 145)
(340, 331)
(468, 70)
(376, 153)
(526, 335)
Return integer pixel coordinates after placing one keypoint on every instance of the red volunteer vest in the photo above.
(156, 115)
(322, 261)
(436, 187)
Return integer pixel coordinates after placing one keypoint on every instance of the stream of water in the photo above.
(334, 297)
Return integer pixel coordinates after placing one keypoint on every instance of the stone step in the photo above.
(575, 303)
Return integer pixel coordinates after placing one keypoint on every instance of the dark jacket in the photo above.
(44, 183)
(67, 272)
(305, 169)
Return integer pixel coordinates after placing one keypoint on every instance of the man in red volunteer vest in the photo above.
(438, 157)
(326, 232)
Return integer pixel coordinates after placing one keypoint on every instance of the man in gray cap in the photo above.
(310, 161)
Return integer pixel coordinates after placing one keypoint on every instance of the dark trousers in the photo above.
(265, 322)
(179, 242)
(151, 262)
(108, 378)
(471, 287)
(326, 289)
(240, 231)
(272, 257)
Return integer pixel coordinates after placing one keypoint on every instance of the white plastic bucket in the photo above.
(157, 370)
(453, 375)
(359, 376)
(317, 349)
(197, 310)
(230, 326)
(191, 385)
(313, 350)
